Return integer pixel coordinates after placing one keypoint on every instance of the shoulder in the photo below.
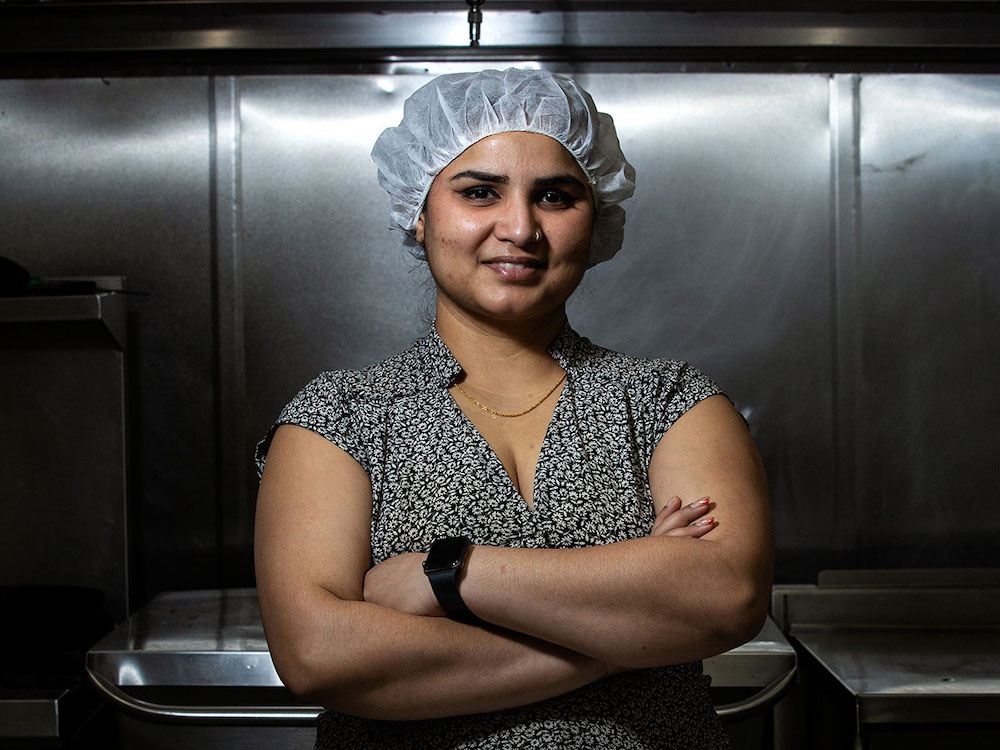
(399, 375)
(642, 374)
(348, 406)
(331, 395)
(654, 392)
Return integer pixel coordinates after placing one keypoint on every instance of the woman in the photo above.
(480, 542)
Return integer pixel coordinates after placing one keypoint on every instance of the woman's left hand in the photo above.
(399, 583)
(676, 519)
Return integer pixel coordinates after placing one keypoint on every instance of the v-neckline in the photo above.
(532, 506)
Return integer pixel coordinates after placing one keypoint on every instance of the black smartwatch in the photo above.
(442, 567)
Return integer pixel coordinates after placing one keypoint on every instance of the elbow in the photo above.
(343, 674)
(305, 686)
(743, 606)
(344, 686)
(308, 673)
(298, 673)
(742, 615)
(734, 616)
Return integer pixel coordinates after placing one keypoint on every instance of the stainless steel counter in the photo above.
(916, 649)
(200, 657)
(919, 676)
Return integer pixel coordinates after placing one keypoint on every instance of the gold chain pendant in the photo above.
(496, 413)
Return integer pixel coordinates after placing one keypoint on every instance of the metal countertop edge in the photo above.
(168, 714)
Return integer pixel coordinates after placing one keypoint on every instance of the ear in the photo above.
(419, 229)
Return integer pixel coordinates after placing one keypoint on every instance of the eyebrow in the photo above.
(499, 179)
(560, 179)
(472, 174)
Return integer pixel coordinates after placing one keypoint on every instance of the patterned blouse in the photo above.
(433, 474)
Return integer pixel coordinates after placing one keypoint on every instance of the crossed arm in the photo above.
(369, 643)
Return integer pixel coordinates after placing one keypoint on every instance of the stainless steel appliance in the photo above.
(63, 535)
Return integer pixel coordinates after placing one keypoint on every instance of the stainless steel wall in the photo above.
(114, 176)
(824, 245)
(926, 319)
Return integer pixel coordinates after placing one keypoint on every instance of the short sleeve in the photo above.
(327, 407)
(678, 387)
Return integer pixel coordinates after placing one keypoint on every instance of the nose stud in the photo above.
(538, 235)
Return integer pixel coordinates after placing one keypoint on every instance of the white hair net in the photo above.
(444, 117)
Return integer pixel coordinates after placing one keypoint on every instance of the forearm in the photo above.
(658, 599)
(367, 660)
(644, 602)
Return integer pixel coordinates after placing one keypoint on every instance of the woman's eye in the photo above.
(555, 198)
(479, 193)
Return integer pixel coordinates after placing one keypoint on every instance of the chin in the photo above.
(511, 311)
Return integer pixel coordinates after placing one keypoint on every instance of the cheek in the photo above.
(457, 234)
(575, 237)
(471, 227)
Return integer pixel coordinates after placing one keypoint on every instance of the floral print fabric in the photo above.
(434, 475)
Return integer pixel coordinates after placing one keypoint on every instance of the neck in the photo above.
(491, 351)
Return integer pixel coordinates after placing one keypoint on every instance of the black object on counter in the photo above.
(45, 700)
(14, 278)
(17, 281)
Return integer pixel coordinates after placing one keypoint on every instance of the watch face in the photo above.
(446, 553)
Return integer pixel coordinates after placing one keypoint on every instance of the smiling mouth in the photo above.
(515, 263)
(513, 266)
(516, 270)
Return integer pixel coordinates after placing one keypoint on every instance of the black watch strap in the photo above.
(443, 576)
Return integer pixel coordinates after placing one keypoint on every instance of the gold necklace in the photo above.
(496, 413)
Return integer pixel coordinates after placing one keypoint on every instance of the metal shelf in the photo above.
(107, 308)
(268, 33)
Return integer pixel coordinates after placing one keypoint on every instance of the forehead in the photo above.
(516, 154)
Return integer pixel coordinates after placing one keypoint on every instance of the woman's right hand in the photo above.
(676, 519)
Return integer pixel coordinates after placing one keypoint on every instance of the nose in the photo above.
(517, 222)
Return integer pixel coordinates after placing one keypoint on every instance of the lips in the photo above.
(514, 261)
(515, 268)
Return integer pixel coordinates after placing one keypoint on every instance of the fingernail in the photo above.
(700, 503)
(705, 522)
